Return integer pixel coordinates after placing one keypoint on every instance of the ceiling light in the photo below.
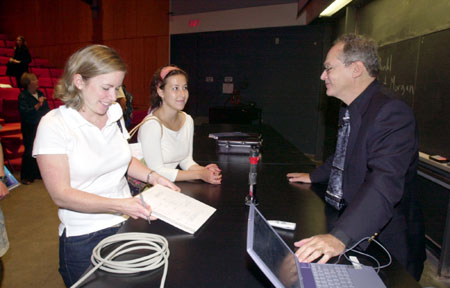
(334, 7)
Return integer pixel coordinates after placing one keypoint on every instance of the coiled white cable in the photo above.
(132, 242)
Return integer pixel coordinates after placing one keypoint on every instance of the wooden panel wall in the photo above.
(137, 29)
(52, 30)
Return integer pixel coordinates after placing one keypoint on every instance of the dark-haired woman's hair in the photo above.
(159, 80)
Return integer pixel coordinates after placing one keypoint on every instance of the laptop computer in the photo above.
(280, 265)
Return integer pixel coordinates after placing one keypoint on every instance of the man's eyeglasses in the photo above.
(329, 68)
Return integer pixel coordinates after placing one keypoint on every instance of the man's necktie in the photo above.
(334, 195)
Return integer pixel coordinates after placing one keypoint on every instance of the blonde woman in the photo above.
(83, 154)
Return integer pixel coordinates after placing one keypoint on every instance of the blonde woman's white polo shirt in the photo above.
(98, 161)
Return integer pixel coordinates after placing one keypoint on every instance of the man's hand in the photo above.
(299, 177)
(312, 248)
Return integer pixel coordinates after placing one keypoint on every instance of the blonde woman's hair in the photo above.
(89, 62)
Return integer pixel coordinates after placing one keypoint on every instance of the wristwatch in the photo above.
(4, 179)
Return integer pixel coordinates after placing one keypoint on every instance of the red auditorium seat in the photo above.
(49, 93)
(9, 93)
(2, 43)
(12, 146)
(4, 60)
(13, 82)
(6, 52)
(40, 72)
(5, 80)
(2, 70)
(42, 62)
(11, 110)
(45, 82)
(10, 43)
(56, 73)
(32, 63)
(9, 100)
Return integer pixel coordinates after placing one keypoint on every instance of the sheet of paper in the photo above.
(177, 209)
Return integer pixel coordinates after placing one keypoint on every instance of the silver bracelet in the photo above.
(148, 176)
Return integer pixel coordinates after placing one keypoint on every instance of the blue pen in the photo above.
(143, 203)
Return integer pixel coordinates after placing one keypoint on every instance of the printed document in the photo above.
(177, 209)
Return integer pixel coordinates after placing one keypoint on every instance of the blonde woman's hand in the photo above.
(134, 208)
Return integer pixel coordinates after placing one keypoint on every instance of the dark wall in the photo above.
(417, 70)
(282, 79)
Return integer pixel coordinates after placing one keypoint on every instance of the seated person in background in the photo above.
(166, 134)
(18, 64)
(371, 176)
(32, 107)
(83, 154)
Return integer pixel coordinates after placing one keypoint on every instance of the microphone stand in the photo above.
(254, 158)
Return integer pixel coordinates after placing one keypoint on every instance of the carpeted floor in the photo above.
(31, 222)
(32, 225)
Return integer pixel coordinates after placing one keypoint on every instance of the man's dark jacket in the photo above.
(379, 177)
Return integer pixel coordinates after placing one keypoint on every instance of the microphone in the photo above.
(252, 175)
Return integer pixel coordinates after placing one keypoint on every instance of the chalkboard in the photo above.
(417, 70)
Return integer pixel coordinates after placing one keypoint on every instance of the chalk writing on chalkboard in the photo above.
(417, 70)
(389, 79)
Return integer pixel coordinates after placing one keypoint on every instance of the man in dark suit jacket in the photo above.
(378, 179)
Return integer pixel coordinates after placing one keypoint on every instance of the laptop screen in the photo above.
(270, 252)
(280, 265)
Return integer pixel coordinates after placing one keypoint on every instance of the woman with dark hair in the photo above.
(32, 107)
(166, 134)
(18, 64)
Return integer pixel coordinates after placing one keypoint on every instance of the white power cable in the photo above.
(379, 266)
(131, 242)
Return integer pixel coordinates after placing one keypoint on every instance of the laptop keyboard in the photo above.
(331, 276)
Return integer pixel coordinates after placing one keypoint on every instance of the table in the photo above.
(215, 256)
